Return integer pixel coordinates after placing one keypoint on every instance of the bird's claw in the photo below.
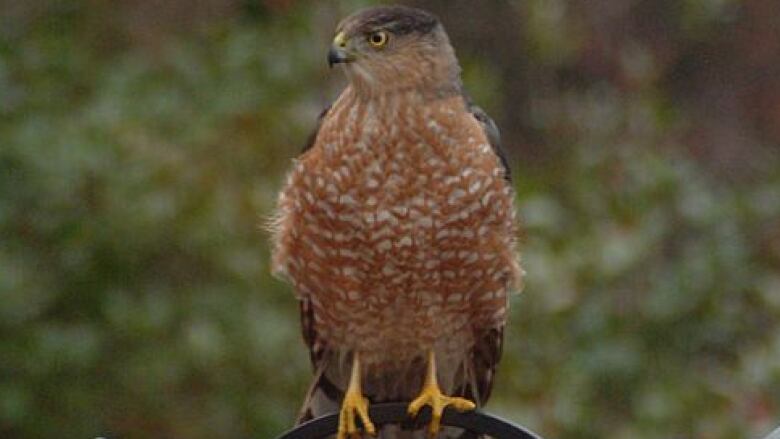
(432, 396)
(354, 406)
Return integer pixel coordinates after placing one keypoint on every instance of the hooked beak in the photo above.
(338, 51)
(336, 56)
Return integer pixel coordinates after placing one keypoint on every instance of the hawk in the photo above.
(396, 228)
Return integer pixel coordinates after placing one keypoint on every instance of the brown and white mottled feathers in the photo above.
(396, 226)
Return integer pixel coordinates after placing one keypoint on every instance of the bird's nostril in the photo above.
(340, 40)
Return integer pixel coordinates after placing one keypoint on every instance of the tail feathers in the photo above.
(322, 398)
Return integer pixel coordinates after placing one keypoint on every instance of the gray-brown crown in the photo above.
(398, 20)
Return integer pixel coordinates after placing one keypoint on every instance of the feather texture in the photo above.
(397, 229)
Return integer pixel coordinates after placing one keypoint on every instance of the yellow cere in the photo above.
(340, 40)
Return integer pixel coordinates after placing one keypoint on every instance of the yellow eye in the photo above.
(377, 39)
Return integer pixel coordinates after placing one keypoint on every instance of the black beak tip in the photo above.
(334, 57)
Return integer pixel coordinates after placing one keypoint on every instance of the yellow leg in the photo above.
(431, 395)
(354, 404)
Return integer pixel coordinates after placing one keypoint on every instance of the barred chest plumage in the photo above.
(398, 226)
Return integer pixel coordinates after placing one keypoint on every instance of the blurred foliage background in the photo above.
(142, 144)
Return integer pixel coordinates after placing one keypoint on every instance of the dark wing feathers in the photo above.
(492, 133)
(484, 360)
(310, 337)
(489, 344)
(313, 136)
(321, 386)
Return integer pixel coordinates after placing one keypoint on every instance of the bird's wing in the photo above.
(322, 392)
(323, 396)
(489, 343)
(317, 348)
(492, 133)
(484, 358)
(313, 136)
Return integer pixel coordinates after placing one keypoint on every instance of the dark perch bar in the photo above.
(395, 413)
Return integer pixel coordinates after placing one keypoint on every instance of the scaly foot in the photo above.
(354, 405)
(431, 395)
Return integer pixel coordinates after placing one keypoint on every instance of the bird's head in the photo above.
(393, 48)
